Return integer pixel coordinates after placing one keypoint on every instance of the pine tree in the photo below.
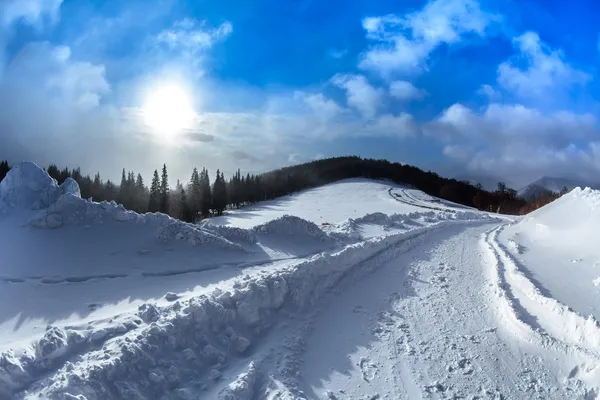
(195, 193)
(206, 195)
(123, 189)
(164, 191)
(219, 199)
(185, 212)
(140, 195)
(154, 199)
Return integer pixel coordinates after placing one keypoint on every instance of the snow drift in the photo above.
(566, 222)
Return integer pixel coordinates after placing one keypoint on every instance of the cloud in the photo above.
(46, 70)
(187, 43)
(402, 45)
(537, 69)
(193, 36)
(337, 53)
(31, 12)
(517, 142)
(198, 137)
(488, 92)
(359, 93)
(320, 105)
(51, 105)
(242, 155)
(404, 90)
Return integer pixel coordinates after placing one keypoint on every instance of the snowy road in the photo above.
(424, 325)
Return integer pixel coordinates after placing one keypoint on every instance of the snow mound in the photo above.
(72, 210)
(28, 186)
(291, 225)
(567, 220)
(229, 232)
(195, 236)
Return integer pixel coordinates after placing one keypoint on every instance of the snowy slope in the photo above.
(398, 296)
(322, 204)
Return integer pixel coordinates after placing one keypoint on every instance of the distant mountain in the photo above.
(547, 184)
(487, 183)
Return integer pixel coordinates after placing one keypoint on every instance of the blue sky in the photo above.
(470, 88)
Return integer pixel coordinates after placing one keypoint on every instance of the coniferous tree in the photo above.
(154, 199)
(184, 208)
(219, 193)
(123, 189)
(53, 171)
(110, 191)
(195, 193)
(4, 168)
(164, 191)
(206, 195)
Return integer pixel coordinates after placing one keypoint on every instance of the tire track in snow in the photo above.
(415, 203)
(542, 321)
(53, 280)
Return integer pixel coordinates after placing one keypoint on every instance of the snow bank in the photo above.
(183, 347)
(570, 221)
(229, 232)
(291, 225)
(28, 186)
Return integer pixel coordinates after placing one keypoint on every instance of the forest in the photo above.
(202, 197)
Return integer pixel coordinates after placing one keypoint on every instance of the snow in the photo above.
(322, 204)
(358, 289)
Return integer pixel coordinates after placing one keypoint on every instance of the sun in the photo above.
(168, 110)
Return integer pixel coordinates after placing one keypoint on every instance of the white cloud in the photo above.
(516, 142)
(403, 44)
(193, 36)
(488, 91)
(40, 68)
(337, 54)
(320, 105)
(360, 94)
(30, 11)
(545, 69)
(405, 90)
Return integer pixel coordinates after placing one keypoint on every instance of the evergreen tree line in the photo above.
(199, 197)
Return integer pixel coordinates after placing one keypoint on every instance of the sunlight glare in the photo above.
(168, 110)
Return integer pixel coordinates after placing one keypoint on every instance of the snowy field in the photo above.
(355, 290)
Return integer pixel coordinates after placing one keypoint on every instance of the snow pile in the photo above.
(28, 186)
(72, 210)
(177, 230)
(567, 221)
(289, 225)
(185, 346)
(229, 232)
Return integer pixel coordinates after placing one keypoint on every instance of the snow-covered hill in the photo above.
(354, 290)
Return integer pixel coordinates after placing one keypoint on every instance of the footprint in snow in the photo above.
(368, 369)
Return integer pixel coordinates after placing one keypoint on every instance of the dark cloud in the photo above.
(199, 137)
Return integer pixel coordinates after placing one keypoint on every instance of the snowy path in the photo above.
(424, 325)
